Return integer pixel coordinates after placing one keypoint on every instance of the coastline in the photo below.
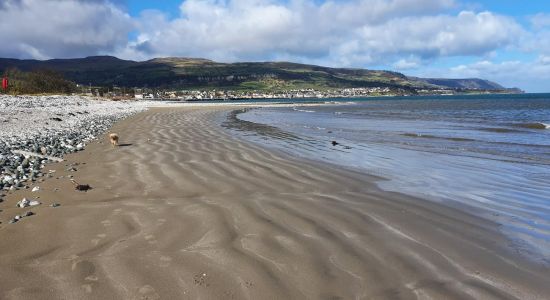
(185, 210)
(494, 167)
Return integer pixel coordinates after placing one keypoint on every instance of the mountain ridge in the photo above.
(190, 73)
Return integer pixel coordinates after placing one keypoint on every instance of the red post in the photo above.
(5, 83)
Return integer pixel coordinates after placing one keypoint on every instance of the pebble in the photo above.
(35, 189)
(18, 217)
(26, 202)
(30, 128)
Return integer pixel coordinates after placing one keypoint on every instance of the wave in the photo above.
(535, 125)
(303, 110)
(351, 113)
(313, 127)
(428, 136)
(340, 102)
(499, 130)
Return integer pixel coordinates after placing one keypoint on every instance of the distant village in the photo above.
(198, 95)
(224, 95)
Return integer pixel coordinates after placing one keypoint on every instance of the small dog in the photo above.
(114, 139)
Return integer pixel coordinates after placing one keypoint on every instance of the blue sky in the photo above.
(504, 41)
(135, 7)
(508, 7)
(513, 7)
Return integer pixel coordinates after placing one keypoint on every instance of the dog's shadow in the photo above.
(125, 145)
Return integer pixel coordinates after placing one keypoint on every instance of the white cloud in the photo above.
(531, 76)
(59, 28)
(406, 64)
(349, 33)
(467, 33)
(544, 60)
(354, 33)
(540, 20)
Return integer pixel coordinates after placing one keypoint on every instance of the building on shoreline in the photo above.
(221, 95)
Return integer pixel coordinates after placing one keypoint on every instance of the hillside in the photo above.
(468, 83)
(189, 73)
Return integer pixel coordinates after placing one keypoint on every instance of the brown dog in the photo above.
(114, 139)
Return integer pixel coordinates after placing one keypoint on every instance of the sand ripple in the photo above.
(189, 212)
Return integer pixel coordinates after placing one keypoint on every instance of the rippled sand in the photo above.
(183, 210)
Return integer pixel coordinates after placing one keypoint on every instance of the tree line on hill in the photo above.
(37, 82)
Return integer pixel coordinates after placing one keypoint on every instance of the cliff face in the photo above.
(468, 83)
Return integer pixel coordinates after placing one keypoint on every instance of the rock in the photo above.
(23, 203)
(81, 187)
(35, 189)
(334, 143)
(55, 205)
(8, 179)
(59, 137)
(28, 214)
(26, 203)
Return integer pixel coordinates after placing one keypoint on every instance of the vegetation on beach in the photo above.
(37, 82)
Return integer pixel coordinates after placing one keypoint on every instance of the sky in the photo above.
(504, 41)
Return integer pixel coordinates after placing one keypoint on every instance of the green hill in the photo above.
(191, 73)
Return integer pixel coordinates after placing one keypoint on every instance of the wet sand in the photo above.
(184, 210)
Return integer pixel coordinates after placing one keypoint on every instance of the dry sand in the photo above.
(186, 211)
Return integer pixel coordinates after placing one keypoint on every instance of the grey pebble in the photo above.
(58, 137)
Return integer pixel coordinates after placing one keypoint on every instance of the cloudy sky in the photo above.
(507, 41)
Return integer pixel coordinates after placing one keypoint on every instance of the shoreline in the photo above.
(280, 130)
(225, 218)
(39, 129)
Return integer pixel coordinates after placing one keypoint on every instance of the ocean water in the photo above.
(488, 154)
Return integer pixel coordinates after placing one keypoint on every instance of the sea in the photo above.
(488, 154)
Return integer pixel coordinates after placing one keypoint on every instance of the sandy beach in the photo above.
(185, 210)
